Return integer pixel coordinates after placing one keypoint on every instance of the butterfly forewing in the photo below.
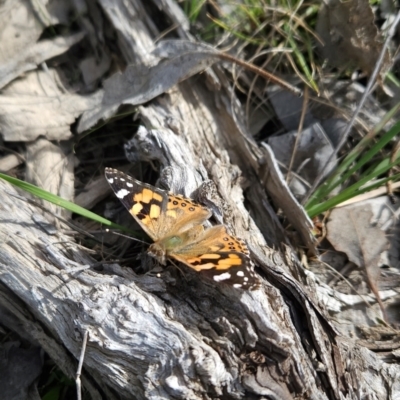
(144, 202)
(157, 212)
(175, 224)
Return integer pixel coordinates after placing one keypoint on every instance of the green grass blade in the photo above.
(303, 64)
(356, 189)
(344, 196)
(52, 198)
(340, 176)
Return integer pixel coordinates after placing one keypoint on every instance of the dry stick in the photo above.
(266, 75)
(371, 82)
(251, 67)
(370, 195)
(299, 132)
(79, 371)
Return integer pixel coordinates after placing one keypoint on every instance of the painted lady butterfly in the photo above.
(175, 223)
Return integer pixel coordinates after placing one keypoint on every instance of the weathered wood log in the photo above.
(175, 337)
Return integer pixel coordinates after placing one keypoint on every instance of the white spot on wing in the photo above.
(222, 277)
(237, 285)
(110, 180)
(122, 193)
(240, 273)
(129, 184)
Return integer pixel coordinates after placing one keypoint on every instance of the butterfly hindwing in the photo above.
(221, 257)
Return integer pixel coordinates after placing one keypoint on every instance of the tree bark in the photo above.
(180, 336)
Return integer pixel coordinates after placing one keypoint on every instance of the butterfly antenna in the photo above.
(127, 237)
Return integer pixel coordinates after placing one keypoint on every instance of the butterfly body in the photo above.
(177, 243)
(175, 223)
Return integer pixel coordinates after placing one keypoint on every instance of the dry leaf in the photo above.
(139, 84)
(313, 150)
(349, 34)
(20, 30)
(350, 230)
(40, 105)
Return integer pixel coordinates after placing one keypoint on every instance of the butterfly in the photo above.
(175, 224)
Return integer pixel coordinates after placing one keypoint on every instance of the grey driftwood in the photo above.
(176, 336)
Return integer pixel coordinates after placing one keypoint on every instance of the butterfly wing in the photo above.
(159, 213)
(221, 257)
(212, 252)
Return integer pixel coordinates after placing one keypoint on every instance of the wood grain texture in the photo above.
(148, 338)
(174, 337)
